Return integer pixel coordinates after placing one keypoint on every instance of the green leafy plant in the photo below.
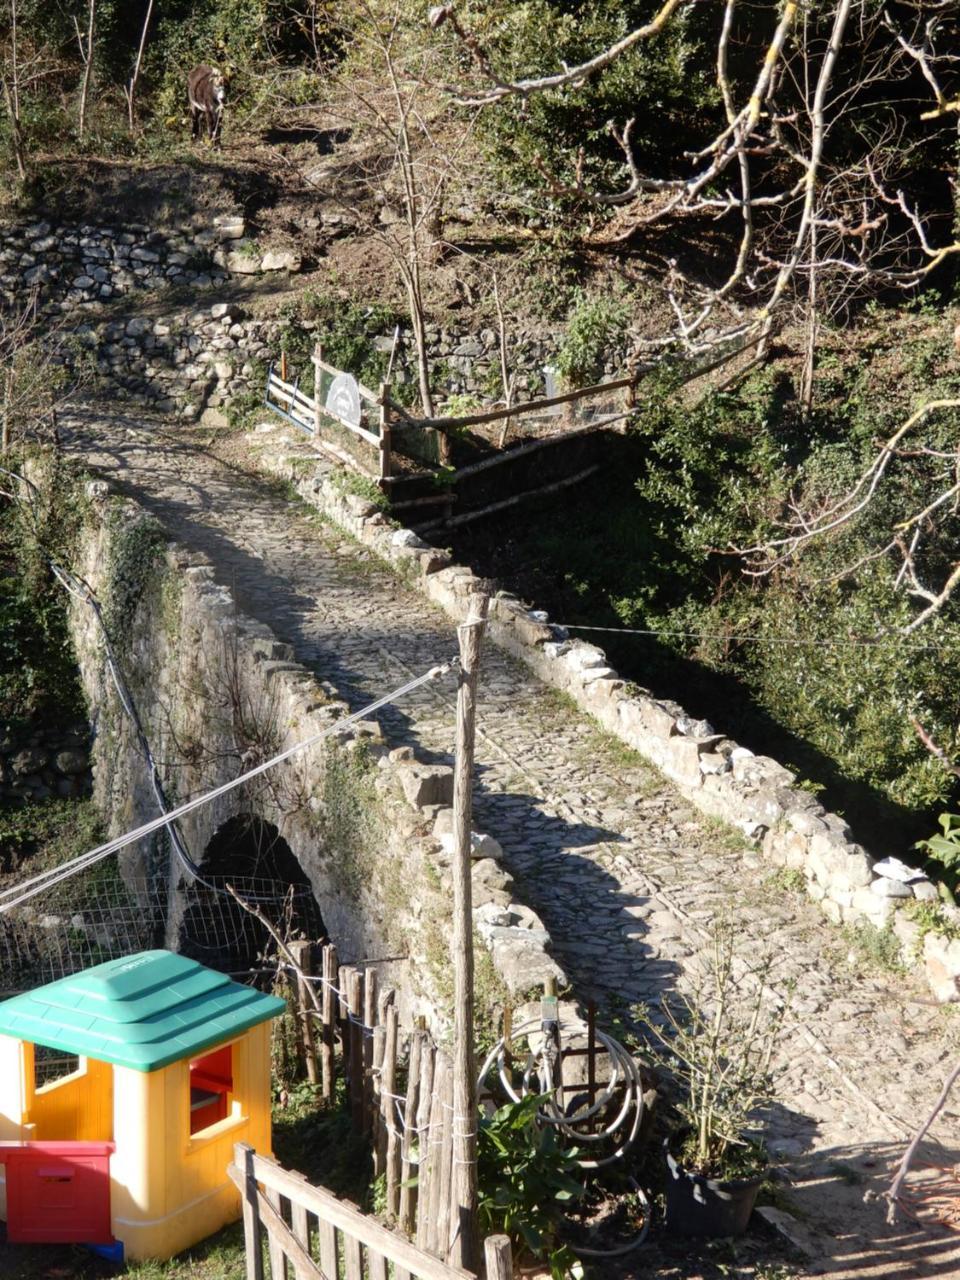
(943, 855)
(594, 326)
(525, 1181)
(349, 482)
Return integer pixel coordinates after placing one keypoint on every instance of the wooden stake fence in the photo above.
(403, 1095)
(409, 1120)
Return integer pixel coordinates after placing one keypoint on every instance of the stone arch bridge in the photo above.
(249, 621)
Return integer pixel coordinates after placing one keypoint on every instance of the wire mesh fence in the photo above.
(95, 917)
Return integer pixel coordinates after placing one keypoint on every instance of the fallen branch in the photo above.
(893, 1195)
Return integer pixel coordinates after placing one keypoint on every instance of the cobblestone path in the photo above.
(623, 871)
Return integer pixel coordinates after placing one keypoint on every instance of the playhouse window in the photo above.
(211, 1083)
(53, 1066)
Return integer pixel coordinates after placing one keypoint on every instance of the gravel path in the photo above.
(625, 875)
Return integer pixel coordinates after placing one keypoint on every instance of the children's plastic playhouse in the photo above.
(168, 1066)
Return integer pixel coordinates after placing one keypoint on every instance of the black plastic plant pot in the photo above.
(699, 1206)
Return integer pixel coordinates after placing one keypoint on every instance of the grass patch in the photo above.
(786, 880)
(880, 948)
(46, 832)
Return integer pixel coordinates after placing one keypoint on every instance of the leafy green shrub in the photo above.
(667, 83)
(595, 324)
(525, 1181)
(345, 330)
(39, 680)
(943, 862)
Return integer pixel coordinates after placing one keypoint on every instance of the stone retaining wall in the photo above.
(191, 362)
(38, 764)
(753, 793)
(76, 265)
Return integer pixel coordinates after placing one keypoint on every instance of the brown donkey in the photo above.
(207, 93)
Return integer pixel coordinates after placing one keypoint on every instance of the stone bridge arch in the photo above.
(249, 853)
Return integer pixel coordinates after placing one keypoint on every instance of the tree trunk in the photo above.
(132, 86)
(86, 52)
(11, 93)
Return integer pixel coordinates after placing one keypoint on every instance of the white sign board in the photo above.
(551, 388)
(343, 398)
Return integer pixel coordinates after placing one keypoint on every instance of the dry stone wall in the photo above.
(37, 764)
(753, 793)
(192, 360)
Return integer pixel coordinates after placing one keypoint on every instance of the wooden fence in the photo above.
(399, 1086)
(293, 1229)
(391, 446)
(400, 1094)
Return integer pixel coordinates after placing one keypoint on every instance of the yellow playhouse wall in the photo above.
(78, 1109)
(14, 1098)
(168, 1189)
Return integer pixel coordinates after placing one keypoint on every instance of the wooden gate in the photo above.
(311, 1235)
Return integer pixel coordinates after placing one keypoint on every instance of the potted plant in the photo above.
(718, 1047)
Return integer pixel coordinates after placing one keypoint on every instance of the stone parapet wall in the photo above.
(36, 764)
(753, 793)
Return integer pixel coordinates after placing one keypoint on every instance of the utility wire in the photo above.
(843, 642)
(20, 893)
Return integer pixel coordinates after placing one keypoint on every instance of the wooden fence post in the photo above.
(407, 1209)
(463, 1209)
(388, 1086)
(367, 1041)
(498, 1257)
(424, 1138)
(253, 1255)
(317, 382)
(328, 1018)
(355, 1033)
(386, 445)
(302, 952)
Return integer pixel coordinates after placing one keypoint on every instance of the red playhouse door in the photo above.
(58, 1192)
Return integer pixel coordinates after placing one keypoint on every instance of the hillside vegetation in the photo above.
(763, 195)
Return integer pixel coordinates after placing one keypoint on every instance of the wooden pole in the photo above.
(328, 1020)
(302, 953)
(498, 1257)
(317, 353)
(355, 990)
(388, 1084)
(464, 1250)
(253, 1256)
(407, 1211)
(425, 1137)
(385, 429)
(370, 985)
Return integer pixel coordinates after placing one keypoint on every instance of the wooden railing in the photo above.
(391, 430)
(311, 1235)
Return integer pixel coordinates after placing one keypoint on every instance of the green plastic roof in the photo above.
(143, 1011)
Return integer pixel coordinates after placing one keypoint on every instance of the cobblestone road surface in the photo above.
(624, 873)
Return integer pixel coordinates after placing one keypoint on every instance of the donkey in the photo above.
(207, 93)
